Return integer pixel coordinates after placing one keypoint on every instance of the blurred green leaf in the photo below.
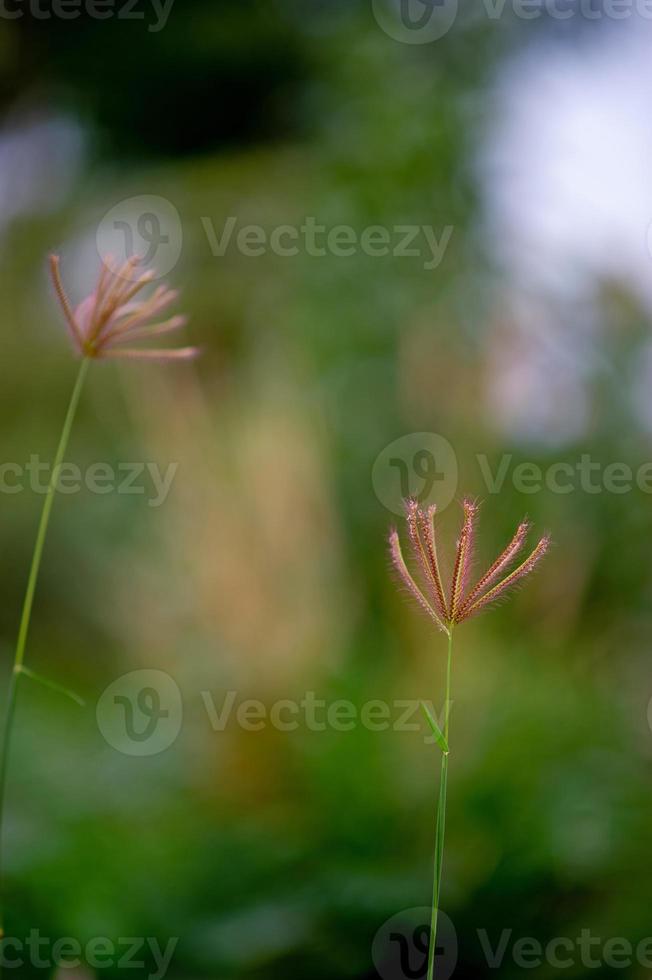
(435, 729)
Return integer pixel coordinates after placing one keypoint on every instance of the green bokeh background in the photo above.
(277, 854)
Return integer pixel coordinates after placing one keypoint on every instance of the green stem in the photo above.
(51, 685)
(27, 609)
(441, 820)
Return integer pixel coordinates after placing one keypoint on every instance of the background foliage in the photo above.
(280, 854)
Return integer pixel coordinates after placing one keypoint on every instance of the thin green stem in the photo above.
(441, 819)
(27, 609)
(51, 685)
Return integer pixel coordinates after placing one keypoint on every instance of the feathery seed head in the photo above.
(463, 602)
(399, 564)
(111, 317)
(463, 557)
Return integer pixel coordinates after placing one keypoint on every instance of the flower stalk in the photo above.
(23, 631)
(440, 824)
(103, 325)
(462, 603)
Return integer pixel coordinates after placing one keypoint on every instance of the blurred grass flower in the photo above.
(447, 608)
(111, 316)
(99, 326)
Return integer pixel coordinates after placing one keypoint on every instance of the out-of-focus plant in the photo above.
(446, 611)
(101, 326)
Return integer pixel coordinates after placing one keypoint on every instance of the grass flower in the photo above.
(462, 602)
(112, 317)
(100, 327)
(447, 607)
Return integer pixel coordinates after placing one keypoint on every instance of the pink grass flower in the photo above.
(462, 602)
(111, 318)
